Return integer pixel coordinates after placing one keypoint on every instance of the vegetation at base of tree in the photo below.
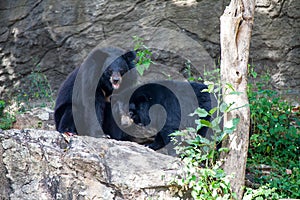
(202, 176)
(274, 142)
(275, 138)
(262, 193)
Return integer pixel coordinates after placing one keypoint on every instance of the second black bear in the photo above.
(97, 77)
(177, 98)
(177, 107)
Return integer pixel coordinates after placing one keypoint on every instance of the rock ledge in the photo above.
(39, 164)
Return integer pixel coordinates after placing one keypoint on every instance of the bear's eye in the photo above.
(109, 71)
(122, 72)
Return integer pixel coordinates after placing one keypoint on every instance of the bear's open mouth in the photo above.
(116, 84)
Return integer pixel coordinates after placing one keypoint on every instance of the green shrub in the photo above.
(6, 119)
(261, 193)
(275, 138)
(38, 92)
(202, 175)
(2, 106)
(144, 55)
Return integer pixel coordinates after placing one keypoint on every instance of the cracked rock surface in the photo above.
(56, 36)
(38, 164)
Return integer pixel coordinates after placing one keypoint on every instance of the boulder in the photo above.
(39, 164)
(36, 118)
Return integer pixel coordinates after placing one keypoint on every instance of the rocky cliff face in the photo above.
(275, 42)
(38, 164)
(55, 36)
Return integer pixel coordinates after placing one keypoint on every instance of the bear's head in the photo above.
(139, 110)
(112, 76)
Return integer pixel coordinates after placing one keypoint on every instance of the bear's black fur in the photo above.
(110, 127)
(85, 88)
(177, 107)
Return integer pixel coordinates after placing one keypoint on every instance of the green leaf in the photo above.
(205, 123)
(223, 107)
(259, 198)
(200, 112)
(199, 126)
(230, 86)
(147, 64)
(235, 93)
(210, 88)
(222, 136)
(213, 110)
(140, 69)
(191, 79)
(215, 122)
(236, 108)
(217, 90)
(224, 150)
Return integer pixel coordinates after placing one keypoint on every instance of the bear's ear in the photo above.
(129, 56)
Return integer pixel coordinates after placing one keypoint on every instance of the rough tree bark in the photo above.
(236, 28)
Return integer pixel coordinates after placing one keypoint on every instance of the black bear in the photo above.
(178, 99)
(80, 104)
(110, 126)
(118, 122)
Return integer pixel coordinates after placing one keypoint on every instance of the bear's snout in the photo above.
(115, 80)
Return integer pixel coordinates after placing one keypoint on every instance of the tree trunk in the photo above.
(236, 27)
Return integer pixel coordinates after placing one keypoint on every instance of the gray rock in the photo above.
(37, 118)
(37, 164)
